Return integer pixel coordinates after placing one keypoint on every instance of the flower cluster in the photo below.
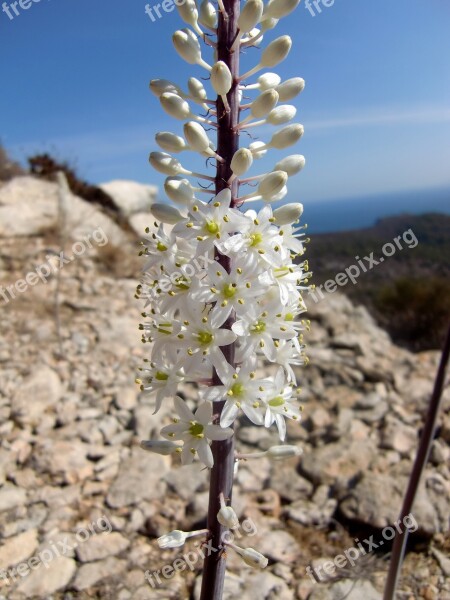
(217, 273)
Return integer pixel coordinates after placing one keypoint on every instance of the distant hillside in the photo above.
(408, 292)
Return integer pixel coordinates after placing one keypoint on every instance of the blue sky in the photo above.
(376, 108)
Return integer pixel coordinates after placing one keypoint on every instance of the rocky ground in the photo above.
(77, 492)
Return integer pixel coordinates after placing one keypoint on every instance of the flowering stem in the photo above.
(221, 481)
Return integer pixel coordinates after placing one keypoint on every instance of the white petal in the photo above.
(205, 454)
(229, 413)
(203, 414)
(183, 410)
(186, 455)
(281, 424)
(217, 433)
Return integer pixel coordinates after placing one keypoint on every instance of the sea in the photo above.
(325, 216)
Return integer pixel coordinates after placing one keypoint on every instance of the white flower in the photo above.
(195, 430)
(162, 377)
(280, 404)
(160, 447)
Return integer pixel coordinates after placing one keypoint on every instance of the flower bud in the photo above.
(160, 447)
(196, 136)
(264, 103)
(285, 215)
(166, 214)
(290, 88)
(241, 161)
(221, 79)
(292, 164)
(251, 14)
(179, 190)
(164, 163)
(280, 8)
(268, 81)
(197, 89)
(188, 12)
(276, 51)
(268, 23)
(159, 86)
(170, 142)
(175, 106)
(208, 14)
(227, 517)
(187, 46)
(281, 114)
(177, 538)
(287, 136)
(253, 558)
(281, 194)
(249, 38)
(253, 147)
(272, 184)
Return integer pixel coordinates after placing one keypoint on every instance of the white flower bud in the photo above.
(188, 12)
(276, 51)
(281, 114)
(196, 136)
(197, 89)
(221, 79)
(272, 184)
(280, 452)
(187, 46)
(170, 142)
(287, 214)
(280, 8)
(253, 558)
(164, 163)
(268, 23)
(251, 38)
(290, 88)
(281, 194)
(177, 538)
(268, 81)
(160, 447)
(254, 148)
(292, 164)
(166, 214)
(251, 14)
(159, 86)
(287, 136)
(175, 106)
(241, 161)
(227, 517)
(208, 14)
(179, 190)
(264, 103)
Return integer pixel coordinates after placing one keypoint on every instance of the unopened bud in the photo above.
(159, 86)
(197, 89)
(281, 114)
(251, 14)
(241, 161)
(276, 51)
(268, 23)
(221, 79)
(287, 136)
(285, 215)
(272, 184)
(188, 12)
(251, 557)
(179, 190)
(170, 142)
(164, 163)
(208, 14)
(282, 452)
(268, 81)
(166, 214)
(175, 106)
(292, 164)
(196, 136)
(280, 8)
(290, 88)
(187, 45)
(227, 517)
(264, 103)
(177, 538)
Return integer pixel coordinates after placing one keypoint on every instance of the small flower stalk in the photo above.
(223, 281)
